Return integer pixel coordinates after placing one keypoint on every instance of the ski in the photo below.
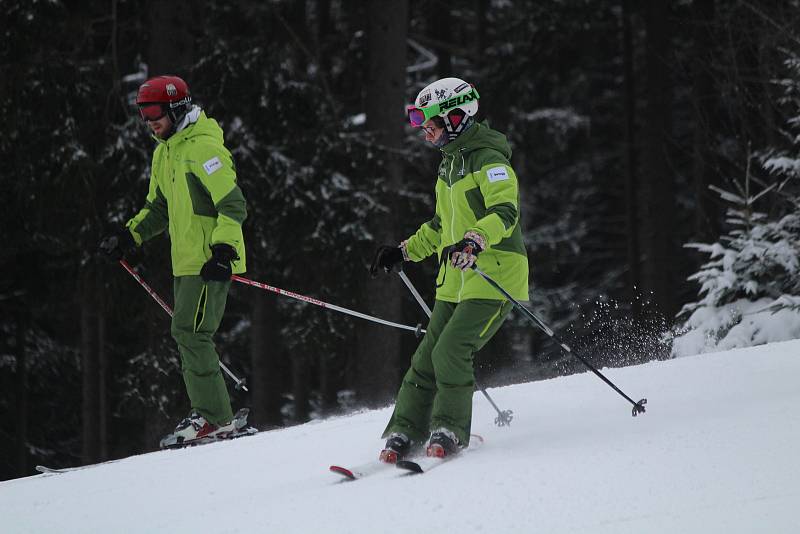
(423, 465)
(52, 470)
(49, 470)
(376, 466)
(366, 469)
(234, 434)
(360, 471)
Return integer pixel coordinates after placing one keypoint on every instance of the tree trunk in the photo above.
(154, 423)
(22, 397)
(658, 205)
(442, 34)
(378, 348)
(324, 30)
(265, 383)
(300, 387)
(481, 39)
(703, 100)
(102, 369)
(93, 415)
(171, 47)
(631, 189)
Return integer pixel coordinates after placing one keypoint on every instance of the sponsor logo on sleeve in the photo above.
(213, 165)
(496, 174)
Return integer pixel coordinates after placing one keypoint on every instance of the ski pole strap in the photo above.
(416, 329)
(638, 407)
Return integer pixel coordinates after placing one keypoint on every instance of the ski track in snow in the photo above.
(716, 452)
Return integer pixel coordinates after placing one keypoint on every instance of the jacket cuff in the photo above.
(478, 238)
(404, 251)
(137, 237)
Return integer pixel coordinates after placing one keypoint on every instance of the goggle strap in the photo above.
(434, 109)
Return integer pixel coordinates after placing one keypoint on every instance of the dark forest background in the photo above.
(621, 115)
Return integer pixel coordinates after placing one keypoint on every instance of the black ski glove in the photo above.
(116, 245)
(464, 254)
(386, 257)
(218, 267)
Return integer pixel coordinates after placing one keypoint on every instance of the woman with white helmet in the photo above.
(476, 220)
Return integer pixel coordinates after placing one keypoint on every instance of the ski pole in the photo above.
(240, 384)
(638, 407)
(504, 417)
(417, 330)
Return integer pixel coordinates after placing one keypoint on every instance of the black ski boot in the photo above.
(397, 447)
(442, 443)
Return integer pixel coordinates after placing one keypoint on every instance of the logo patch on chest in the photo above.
(496, 174)
(213, 165)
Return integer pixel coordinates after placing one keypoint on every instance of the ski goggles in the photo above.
(418, 116)
(152, 112)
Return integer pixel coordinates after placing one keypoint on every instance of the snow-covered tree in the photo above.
(750, 285)
(749, 269)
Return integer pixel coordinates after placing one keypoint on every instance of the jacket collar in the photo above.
(184, 128)
(461, 141)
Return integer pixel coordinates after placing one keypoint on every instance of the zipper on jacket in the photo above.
(169, 180)
(453, 214)
(461, 173)
(452, 203)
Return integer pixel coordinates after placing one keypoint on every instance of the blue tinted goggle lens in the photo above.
(416, 117)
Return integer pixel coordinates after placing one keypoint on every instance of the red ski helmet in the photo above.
(164, 95)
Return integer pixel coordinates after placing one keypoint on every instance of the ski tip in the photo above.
(412, 467)
(339, 470)
(43, 469)
(477, 437)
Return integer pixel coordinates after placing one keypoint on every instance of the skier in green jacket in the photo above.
(193, 195)
(476, 220)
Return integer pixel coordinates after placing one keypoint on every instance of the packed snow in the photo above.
(716, 452)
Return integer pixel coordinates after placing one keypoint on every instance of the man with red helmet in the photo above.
(193, 194)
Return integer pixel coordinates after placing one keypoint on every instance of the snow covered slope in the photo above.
(717, 451)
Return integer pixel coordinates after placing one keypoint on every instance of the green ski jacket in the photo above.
(477, 190)
(193, 193)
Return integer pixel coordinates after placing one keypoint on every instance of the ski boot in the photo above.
(442, 443)
(195, 429)
(397, 447)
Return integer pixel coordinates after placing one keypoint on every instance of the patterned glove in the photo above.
(464, 253)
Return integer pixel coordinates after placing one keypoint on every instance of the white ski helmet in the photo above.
(441, 99)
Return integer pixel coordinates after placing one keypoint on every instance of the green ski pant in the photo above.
(437, 389)
(199, 307)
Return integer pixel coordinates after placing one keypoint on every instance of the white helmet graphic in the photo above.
(441, 99)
